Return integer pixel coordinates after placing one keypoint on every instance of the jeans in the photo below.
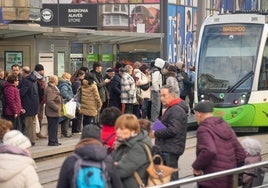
(144, 108)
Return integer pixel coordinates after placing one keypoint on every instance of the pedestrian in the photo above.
(217, 147)
(172, 137)
(130, 155)
(13, 108)
(128, 89)
(145, 78)
(186, 85)
(53, 109)
(39, 72)
(5, 126)
(115, 92)
(109, 75)
(157, 82)
(107, 121)
(101, 83)
(2, 97)
(16, 71)
(88, 148)
(30, 102)
(76, 80)
(17, 167)
(252, 148)
(66, 92)
(90, 100)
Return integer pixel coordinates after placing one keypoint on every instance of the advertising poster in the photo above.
(175, 33)
(135, 1)
(227, 5)
(49, 1)
(195, 34)
(172, 33)
(145, 18)
(12, 58)
(188, 36)
(77, 1)
(180, 33)
(112, 1)
(151, 1)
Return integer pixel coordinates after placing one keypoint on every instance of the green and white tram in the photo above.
(232, 68)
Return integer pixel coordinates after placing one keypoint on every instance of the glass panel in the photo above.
(228, 56)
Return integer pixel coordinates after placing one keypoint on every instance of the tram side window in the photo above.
(263, 79)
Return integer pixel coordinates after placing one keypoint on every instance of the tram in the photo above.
(232, 68)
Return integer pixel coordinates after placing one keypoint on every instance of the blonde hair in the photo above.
(128, 121)
(53, 79)
(66, 76)
(5, 126)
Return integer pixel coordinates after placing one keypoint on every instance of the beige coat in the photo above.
(90, 99)
(53, 101)
(18, 171)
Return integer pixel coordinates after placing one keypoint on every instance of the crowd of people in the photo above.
(117, 114)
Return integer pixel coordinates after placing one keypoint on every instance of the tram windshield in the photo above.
(227, 57)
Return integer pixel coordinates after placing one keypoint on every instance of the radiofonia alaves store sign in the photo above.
(69, 15)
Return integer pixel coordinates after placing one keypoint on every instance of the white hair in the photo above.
(251, 146)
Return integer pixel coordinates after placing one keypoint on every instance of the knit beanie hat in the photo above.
(39, 67)
(204, 107)
(91, 131)
(109, 69)
(16, 138)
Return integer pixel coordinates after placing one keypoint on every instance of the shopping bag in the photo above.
(70, 107)
(37, 125)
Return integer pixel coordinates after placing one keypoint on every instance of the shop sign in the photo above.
(107, 57)
(92, 57)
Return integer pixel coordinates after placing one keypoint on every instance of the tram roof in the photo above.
(74, 34)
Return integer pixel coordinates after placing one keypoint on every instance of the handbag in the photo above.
(70, 107)
(158, 174)
(145, 86)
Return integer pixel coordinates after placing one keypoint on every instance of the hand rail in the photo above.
(234, 172)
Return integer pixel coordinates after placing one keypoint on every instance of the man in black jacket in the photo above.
(172, 136)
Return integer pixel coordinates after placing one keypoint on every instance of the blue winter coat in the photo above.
(66, 90)
(29, 95)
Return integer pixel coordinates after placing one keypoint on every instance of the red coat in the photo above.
(217, 149)
(12, 99)
(106, 131)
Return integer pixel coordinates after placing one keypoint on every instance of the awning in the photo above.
(74, 34)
